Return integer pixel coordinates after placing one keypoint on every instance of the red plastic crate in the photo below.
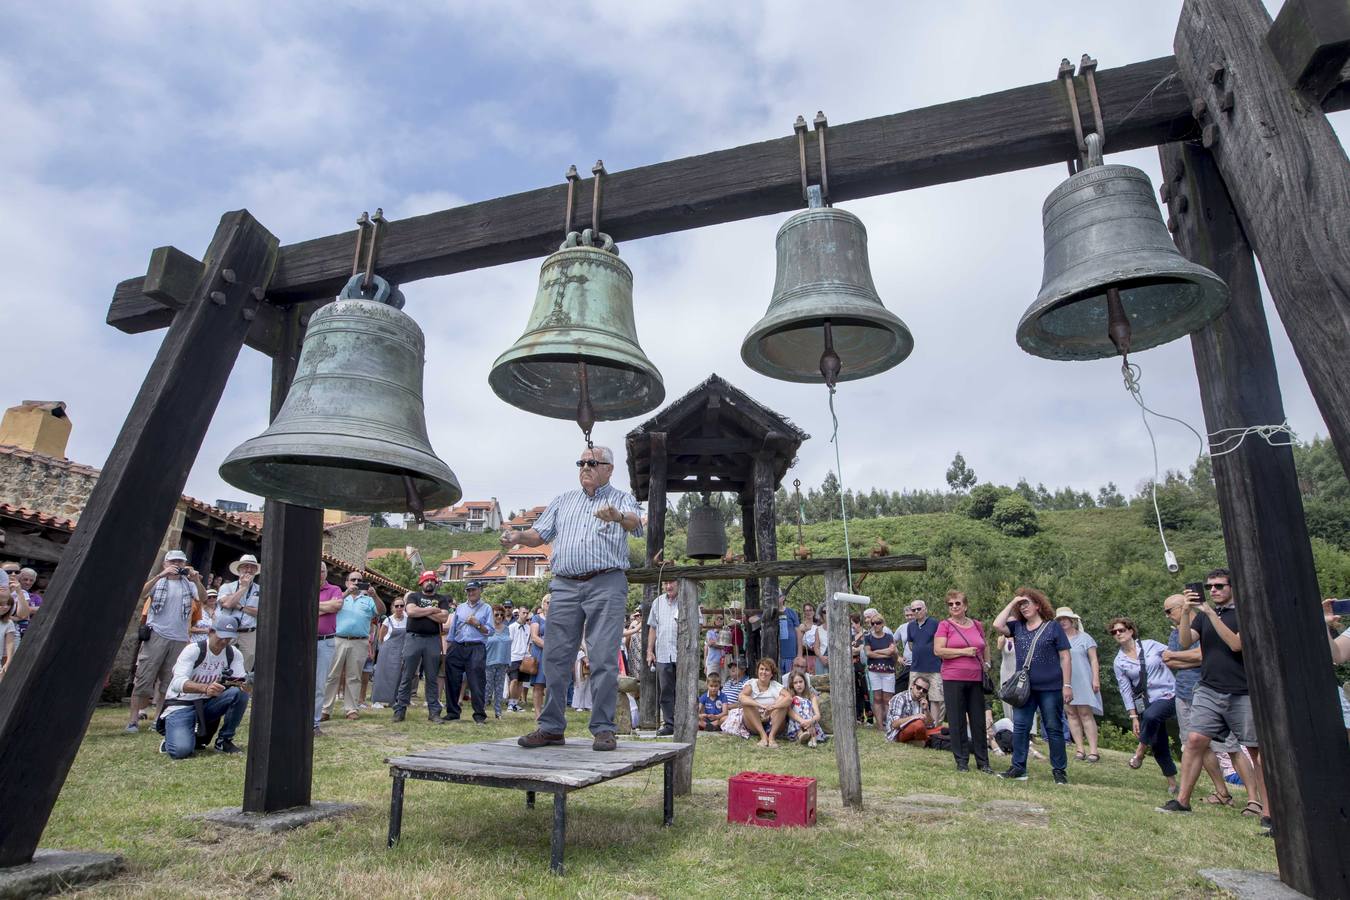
(771, 801)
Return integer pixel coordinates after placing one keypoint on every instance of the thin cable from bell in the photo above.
(839, 474)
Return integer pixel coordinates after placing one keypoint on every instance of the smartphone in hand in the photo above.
(1340, 607)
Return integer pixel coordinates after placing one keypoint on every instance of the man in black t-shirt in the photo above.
(1220, 705)
(427, 611)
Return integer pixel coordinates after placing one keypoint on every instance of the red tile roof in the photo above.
(36, 517)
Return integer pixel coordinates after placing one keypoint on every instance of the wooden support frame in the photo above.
(1289, 180)
(1266, 539)
(648, 699)
(766, 541)
(687, 666)
(842, 696)
(1311, 41)
(95, 590)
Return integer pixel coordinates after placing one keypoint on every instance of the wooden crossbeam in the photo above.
(1143, 104)
(1311, 41)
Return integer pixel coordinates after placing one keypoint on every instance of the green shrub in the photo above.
(1015, 517)
(980, 503)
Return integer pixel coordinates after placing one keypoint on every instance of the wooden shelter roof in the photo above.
(712, 435)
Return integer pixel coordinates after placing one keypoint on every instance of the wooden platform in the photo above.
(555, 770)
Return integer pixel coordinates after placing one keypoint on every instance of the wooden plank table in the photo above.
(556, 770)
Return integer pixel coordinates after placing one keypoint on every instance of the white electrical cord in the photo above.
(839, 473)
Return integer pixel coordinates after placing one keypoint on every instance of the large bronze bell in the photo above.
(707, 534)
(352, 432)
(824, 292)
(579, 354)
(1106, 247)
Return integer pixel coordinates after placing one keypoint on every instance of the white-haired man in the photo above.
(923, 660)
(588, 529)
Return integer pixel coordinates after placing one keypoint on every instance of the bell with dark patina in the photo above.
(579, 356)
(823, 297)
(707, 534)
(352, 433)
(1113, 280)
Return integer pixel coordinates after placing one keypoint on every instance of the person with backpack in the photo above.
(205, 694)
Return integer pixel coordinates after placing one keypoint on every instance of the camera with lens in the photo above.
(181, 570)
(363, 585)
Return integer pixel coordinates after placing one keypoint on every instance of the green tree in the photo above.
(1110, 496)
(1015, 516)
(980, 503)
(396, 568)
(960, 477)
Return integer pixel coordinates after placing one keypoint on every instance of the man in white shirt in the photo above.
(241, 598)
(206, 693)
(663, 629)
(519, 630)
(172, 593)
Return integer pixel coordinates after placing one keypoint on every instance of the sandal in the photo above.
(1080, 755)
(1093, 757)
(1253, 808)
(1217, 799)
(1135, 762)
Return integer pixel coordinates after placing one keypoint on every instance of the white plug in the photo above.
(1171, 559)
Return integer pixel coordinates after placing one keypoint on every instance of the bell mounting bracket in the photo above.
(1087, 68)
(815, 195)
(364, 283)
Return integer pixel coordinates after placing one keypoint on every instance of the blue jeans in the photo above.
(180, 725)
(1051, 705)
(496, 683)
(1153, 732)
(323, 661)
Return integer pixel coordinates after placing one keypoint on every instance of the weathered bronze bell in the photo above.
(579, 354)
(1106, 246)
(824, 279)
(707, 534)
(352, 432)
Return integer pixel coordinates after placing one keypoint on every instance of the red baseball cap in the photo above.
(427, 576)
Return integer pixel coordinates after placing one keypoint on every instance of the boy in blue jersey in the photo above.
(710, 714)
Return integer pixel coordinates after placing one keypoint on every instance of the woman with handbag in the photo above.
(960, 645)
(1042, 681)
(1148, 690)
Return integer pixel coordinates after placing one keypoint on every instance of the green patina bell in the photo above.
(352, 432)
(579, 356)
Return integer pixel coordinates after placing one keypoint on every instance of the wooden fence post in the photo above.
(686, 683)
(842, 699)
(1266, 538)
(47, 697)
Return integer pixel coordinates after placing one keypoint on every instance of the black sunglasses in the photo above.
(590, 463)
(1119, 630)
(1216, 585)
(919, 687)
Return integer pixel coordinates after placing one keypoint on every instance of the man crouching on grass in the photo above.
(206, 693)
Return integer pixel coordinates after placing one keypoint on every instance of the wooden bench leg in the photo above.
(396, 810)
(559, 832)
(668, 802)
(529, 799)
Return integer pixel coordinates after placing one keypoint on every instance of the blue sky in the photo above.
(137, 125)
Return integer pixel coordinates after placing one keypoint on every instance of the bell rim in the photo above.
(902, 337)
(655, 392)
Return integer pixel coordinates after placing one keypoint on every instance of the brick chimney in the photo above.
(40, 426)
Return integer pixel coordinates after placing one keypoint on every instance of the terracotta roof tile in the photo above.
(37, 517)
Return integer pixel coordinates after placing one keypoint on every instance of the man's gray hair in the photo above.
(603, 453)
(27, 571)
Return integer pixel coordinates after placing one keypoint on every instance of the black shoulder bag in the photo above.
(1016, 691)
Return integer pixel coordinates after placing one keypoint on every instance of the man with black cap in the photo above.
(467, 653)
(205, 694)
(427, 611)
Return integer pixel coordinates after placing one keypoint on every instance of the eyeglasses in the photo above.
(1216, 586)
(955, 603)
(920, 688)
(1025, 601)
(499, 615)
(398, 606)
(591, 463)
(1119, 630)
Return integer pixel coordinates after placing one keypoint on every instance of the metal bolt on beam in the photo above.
(258, 293)
(1214, 74)
(1165, 192)
(1226, 101)
(227, 275)
(1182, 203)
(1199, 109)
(1210, 135)
(218, 298)
(248, 314)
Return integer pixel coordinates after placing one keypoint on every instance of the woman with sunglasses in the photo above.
(960, 645)
(389, 661)
(1148, 690)
(1041, 646)
(496, 658)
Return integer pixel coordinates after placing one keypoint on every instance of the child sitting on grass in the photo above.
(711, 712)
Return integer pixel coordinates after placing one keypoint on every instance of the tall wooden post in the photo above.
(1289, 179)
(1274, 581)
(842, 699)
(48, 695)
(749, 548)
(766, 539)
(280, 764)
(687, 665)
(649, 702)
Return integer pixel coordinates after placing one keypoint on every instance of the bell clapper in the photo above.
(1118, 324)
(414, 499)
(830, 364)
(585, 412)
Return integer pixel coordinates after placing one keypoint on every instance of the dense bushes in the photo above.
(1015, 516)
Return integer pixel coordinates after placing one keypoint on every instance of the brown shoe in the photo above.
(605, 741)
(541, 738)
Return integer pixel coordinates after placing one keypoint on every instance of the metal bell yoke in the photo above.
(352, 432)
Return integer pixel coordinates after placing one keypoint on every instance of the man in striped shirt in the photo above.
(589, 530)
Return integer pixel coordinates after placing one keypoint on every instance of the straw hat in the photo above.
(246, 558)
(1065, 612)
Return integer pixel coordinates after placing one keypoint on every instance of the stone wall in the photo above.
(348, 541)
(54, 486)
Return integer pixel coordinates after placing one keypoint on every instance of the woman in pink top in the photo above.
(959, 643)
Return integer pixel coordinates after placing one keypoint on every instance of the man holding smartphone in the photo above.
(352, 643)
(1220, 705)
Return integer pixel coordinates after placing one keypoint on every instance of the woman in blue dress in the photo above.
(538, 623)
(1087, 688)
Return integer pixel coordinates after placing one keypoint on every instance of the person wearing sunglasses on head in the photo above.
(588, 529)
(1220, 705)
(1148, 690)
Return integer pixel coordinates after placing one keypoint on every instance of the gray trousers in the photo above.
(423, 649)
(665, 679)
(598, 607)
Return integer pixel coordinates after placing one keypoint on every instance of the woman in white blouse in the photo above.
(1148, 691)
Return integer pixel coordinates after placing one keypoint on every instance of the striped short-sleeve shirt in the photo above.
(581, 542)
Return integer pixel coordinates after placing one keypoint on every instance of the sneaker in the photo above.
(1014, 774)
(541, 738)
(377, 706)
(665, 731)
(1173, 806)
(162, 748)
(986, 770)
(1061, 777)
(604, 740)
(228, 747)
(133, 728)
(398, 715)
(480, 721)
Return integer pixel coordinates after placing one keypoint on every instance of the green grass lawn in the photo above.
(1098, 837)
